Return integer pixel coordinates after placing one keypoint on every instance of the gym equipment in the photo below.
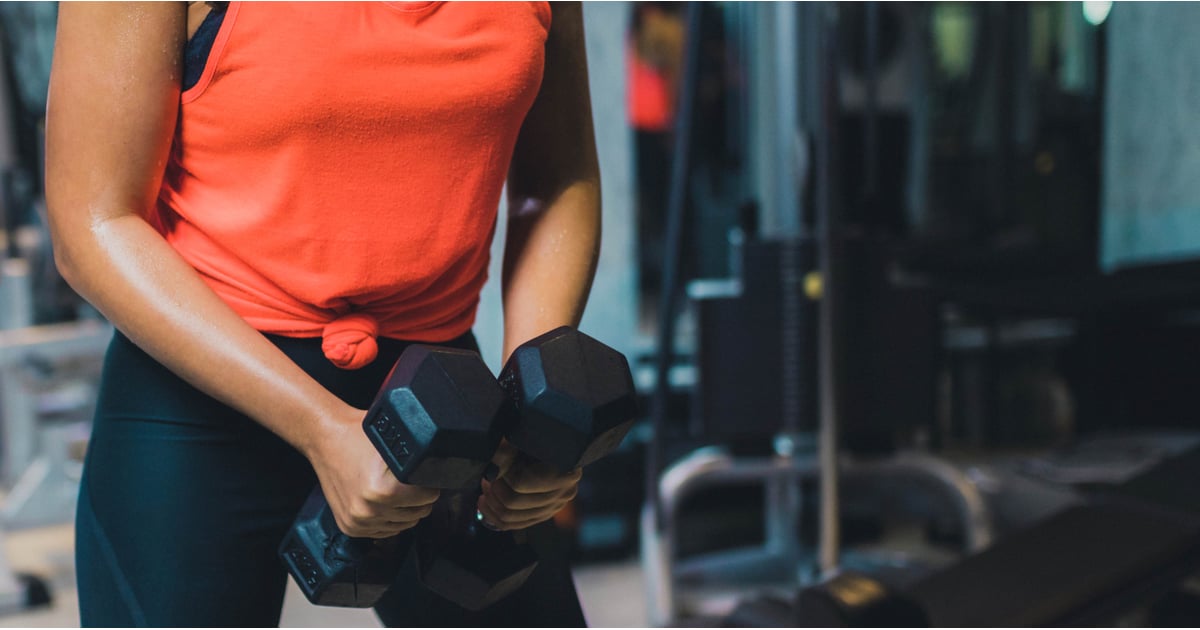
(573, 402)
(874, 604)
(684, 589)
(36, 463)
(847, 599)
(20, 591)
(461, 560)
(1088, 564)
(435, 424)
(36, 454)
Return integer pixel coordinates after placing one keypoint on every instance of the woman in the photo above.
(269, 200)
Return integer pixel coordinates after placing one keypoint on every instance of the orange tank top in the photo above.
(336, 172)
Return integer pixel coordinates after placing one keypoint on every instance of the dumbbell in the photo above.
(435, 423)
(572, 402)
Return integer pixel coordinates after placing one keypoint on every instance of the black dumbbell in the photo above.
(573, 401)
(435, 423)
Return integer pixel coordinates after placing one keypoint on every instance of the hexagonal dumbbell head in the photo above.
(574, 398)
(435, 419)
(333, 569)
(467, 564)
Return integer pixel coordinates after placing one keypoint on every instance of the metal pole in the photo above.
(784, 495)
(827, 225)
(676, 208)
(8, 157)
(871, 107)
(16, 294)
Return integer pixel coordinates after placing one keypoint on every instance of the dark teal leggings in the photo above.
(184, 502)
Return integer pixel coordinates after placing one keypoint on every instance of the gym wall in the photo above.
(1151, 182)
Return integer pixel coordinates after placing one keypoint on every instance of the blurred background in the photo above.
(911, 293)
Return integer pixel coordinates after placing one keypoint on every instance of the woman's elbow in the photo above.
(65, 263)
(66, 239)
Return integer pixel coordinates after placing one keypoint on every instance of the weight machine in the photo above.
(791, 283)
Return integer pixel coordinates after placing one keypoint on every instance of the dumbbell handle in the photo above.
(493, 473)
(342, 548)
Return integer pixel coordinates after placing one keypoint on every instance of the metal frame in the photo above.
(781, 562)
(36, 344)
(37, 466)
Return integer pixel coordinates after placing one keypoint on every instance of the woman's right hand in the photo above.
(366, 498)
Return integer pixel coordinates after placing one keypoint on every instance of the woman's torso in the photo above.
(347, 158)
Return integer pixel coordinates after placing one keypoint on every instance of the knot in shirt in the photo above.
(349, 341)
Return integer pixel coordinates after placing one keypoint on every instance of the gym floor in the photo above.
(612, 594)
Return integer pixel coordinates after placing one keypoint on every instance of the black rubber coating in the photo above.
(435, 423)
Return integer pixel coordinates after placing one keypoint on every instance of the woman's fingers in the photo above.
(529, 477)
(504, 507)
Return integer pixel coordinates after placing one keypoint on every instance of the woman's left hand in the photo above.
(525, 492)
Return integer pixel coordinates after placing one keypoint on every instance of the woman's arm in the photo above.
(111, 116)
(552, 244)
(553, 237)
